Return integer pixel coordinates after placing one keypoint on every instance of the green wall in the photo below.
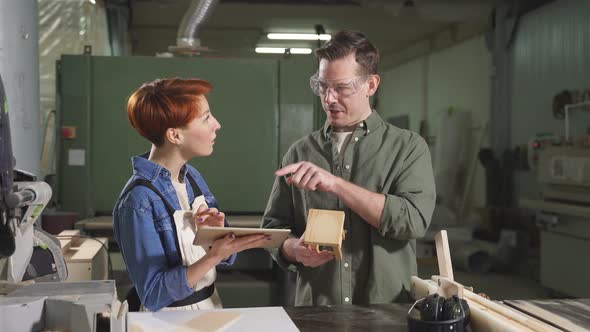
(262, 105)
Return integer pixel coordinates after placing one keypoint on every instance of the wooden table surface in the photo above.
(350, 318)
(570, 315)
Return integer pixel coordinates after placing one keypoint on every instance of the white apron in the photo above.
(186, 231)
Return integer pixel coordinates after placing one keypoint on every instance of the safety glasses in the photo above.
(340, 88)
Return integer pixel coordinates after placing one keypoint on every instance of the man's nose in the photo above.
(331, 96)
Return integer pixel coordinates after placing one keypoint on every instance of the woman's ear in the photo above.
(373, 84)
(174, 136)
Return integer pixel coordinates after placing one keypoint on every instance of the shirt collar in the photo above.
(367, 125)
(149, 170)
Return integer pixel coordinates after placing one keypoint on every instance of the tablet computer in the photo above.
(207, 235)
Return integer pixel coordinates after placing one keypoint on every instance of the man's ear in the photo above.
(174, 136)
(373, 84)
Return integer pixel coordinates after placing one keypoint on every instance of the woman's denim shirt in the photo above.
(146, 234)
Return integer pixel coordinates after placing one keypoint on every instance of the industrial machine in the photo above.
(563, 215)
(26, 252)
(32, 296)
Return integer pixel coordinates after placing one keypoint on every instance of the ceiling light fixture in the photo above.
(281, 50)
(298, 36)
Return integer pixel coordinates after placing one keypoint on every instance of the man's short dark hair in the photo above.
(346, 42)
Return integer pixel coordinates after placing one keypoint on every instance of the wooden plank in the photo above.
(505, 311)
(443, 254)
(483, 318)
(569, 315)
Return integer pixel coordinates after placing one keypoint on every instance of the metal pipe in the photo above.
(198, 12)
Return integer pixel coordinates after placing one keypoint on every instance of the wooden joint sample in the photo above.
(325, 228)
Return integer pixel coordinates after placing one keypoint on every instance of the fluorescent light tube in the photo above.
(281, 50)
(300, 50)
(298, 36)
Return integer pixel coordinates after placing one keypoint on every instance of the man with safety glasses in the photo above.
(379, 175)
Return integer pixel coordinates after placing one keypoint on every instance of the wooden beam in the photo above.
(443, 254)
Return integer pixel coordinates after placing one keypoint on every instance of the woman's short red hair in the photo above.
(165, 103)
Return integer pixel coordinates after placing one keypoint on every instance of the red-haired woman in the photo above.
(167, 270)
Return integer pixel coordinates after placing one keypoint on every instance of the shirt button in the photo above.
(347, 166)
(346, 299)
(356, 139)
(345, 264)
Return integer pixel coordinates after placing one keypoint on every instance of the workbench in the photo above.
(575, 315)
(350, 318)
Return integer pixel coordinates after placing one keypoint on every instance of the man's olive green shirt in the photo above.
(377, 263)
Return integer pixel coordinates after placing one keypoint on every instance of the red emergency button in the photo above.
(68, 132)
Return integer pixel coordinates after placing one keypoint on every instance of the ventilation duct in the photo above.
(187, 40)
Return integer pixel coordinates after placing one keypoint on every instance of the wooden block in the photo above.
(213, 321)
(325, 228)
(448, 288)
(338, 252)
(443, 254)
(69, 232)
(86, 259)
(67, 238)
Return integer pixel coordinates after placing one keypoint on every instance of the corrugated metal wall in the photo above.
(19, 67)
(551, 52)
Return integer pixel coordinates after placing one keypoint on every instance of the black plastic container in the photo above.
(451, 325)
(425, 315)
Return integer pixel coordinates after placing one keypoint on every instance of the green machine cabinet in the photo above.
(259, 120)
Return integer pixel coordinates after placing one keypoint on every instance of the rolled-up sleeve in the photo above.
(410, 203)
(157, 284)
